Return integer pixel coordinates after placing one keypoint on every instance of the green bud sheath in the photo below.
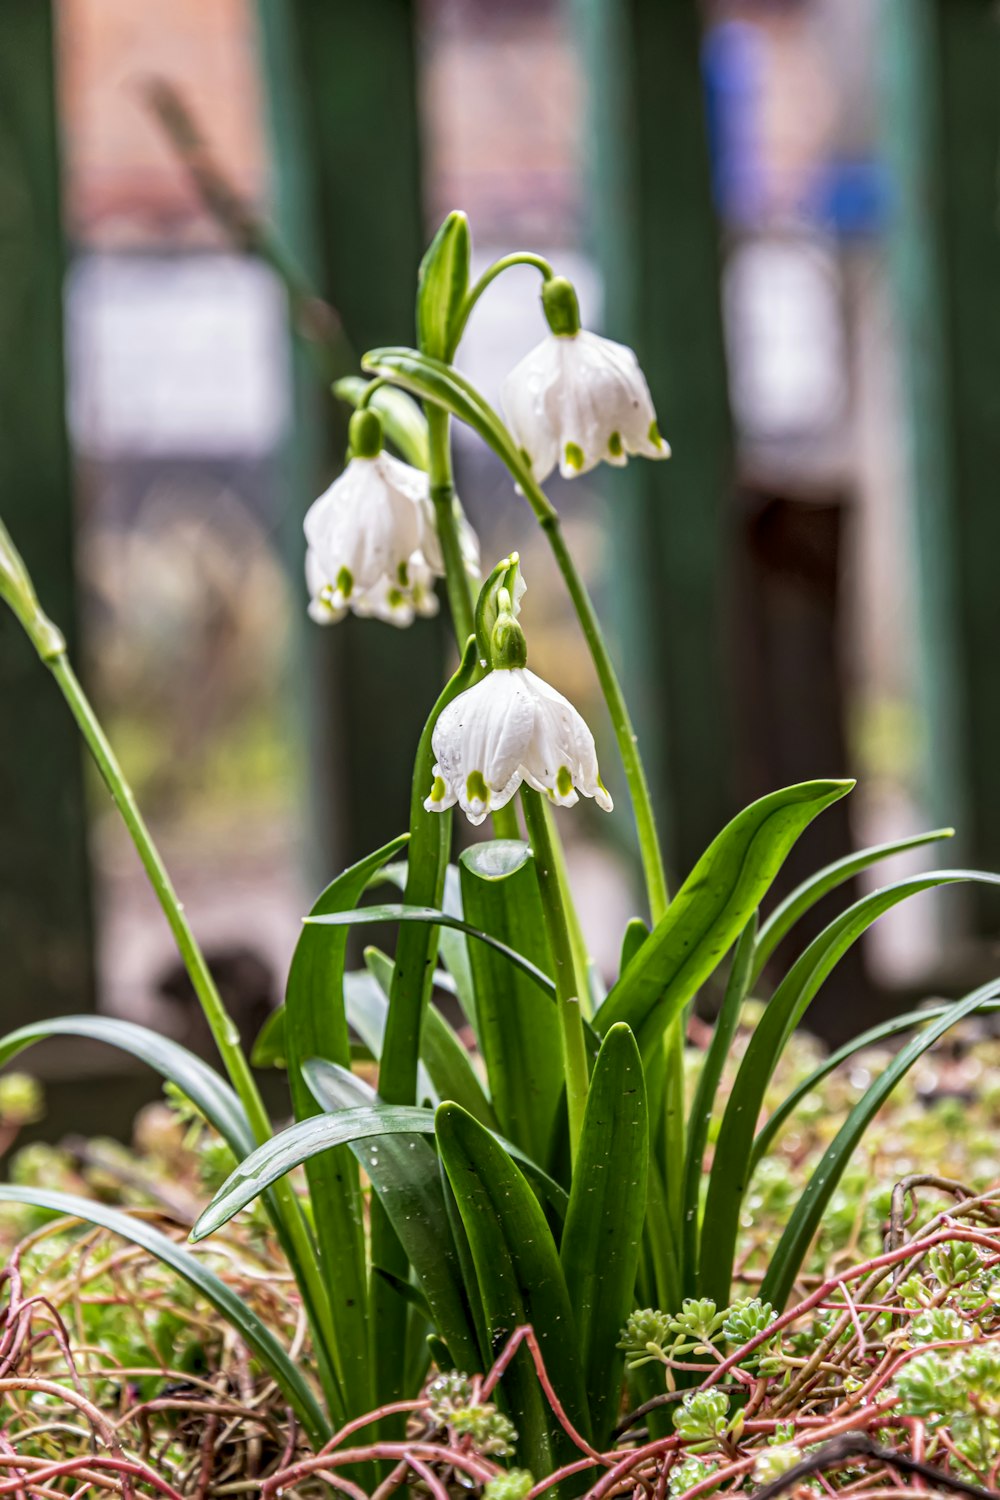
(365, 434)
(560, 306)
(508, 648)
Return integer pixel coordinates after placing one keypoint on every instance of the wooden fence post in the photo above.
(45, 916)
(342, 88)
(657, 239)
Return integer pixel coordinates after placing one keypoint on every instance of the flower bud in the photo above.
(561, 308)
(508, 647)
(442, 283)
(365, 433)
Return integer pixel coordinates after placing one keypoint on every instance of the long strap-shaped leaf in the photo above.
(254, 1333)
(518, 1037)
(520, 1281)
(403, 1170)
(316, 1026)
(705, 1092)
(711, 909)
(366, 916)
(795, 1241)
(805, 896)
(787, 1006)
(603, 1233)
(195, 1078)
(910, 1021)
(309, 1138)
(444, 1062)
(409, 998)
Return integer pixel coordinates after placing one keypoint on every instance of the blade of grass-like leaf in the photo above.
(367, 1006)
(519, 1037)
(409, 999)
(200, 1083)
(316, 1026)
(308, 1138)
(452, 943)
(805, 896)
(908, 1022)
(397, 912)
(706, 1089)
(603, 1233)
(520, 1281)
(797, 1237)
(255, 1334)
(711, 909)
(403, 1170)
(268, 1050)
(445, 1063)
(787, 1006)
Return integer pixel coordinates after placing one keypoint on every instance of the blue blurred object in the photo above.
(850, 197)
(733, 65)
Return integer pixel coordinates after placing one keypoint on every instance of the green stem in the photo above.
(442, 491)
(472, 296)
(299, 1246)
(574, 1047)
(635, 774)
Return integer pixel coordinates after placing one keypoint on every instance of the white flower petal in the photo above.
(579, 400)
(368, 523)
(562, 758)
(479, 741)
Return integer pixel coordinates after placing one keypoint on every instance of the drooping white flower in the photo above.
(512, 727)
(367, 527)
(579, 399)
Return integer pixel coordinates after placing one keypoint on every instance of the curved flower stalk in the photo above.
(373, 546)
(578, 399)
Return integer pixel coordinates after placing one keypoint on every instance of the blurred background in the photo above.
(209, 208)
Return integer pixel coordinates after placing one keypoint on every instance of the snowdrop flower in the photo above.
(372, 543)
(512, 727)
(577, 398)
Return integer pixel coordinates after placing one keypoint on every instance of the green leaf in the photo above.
(316, 1026)
(706, 1090)
(635, 934)
(405, 424)
(195, 1079)
(520, 1281)
(308, 1138)
(711, 909)
(367, 1006)
(907, 1022)
(433, 380)
(442, 282)
(452, 944)
(445, 1062)
(268, 1050)
(365, 916)
(787, 1006)
(255, 1334)
(403, 1170)
(518, 1033)
(793, 1246)
(805, 896)
(603, 1234)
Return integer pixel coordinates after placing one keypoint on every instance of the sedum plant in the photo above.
(554, 1177)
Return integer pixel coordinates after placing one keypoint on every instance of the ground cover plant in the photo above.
(559, 1178)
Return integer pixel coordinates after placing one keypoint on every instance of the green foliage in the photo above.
(505, 1206)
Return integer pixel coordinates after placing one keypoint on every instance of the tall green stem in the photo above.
(224, 1032)
(628, 748)
(442, 491)
(574, 1047)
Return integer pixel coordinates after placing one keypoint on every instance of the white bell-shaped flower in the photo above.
(578, 399)
(372, 543)
(512, 727)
